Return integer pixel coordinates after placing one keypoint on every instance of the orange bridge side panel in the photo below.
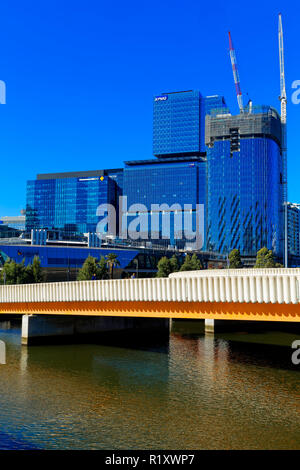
(180, 310)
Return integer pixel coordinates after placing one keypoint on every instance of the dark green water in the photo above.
(195, 392)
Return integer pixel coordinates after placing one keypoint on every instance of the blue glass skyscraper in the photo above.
(178, 175)
(244, 182)
(178, 120)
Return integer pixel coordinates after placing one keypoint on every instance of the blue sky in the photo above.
(81, 76)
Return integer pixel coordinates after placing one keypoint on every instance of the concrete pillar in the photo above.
(209, 325)
(35, 328)
(41, 328)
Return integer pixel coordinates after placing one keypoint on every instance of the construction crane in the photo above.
(282, 75)
(235, 74)
(283, 102)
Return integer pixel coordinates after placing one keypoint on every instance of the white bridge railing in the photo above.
(241, 285)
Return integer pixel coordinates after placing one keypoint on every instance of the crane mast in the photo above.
(235, 74)
(282, 75)
(283, 102)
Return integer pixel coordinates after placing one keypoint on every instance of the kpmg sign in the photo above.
(161, 98)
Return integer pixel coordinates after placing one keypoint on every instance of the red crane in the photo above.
(235, 74)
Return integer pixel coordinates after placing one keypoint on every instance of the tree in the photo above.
(102, 266)
(13, 273)
(91, 269)
(187, 264)
(164, 267)
(265, 259)
(88, 270)
(33, 272)
(235, 261)
(174, 264)
(17, 273)
(112, 261)
(196, 263)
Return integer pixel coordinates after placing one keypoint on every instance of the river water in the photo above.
(194, 392)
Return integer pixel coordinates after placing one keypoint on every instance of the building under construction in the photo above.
(246, 205)
(245, 181)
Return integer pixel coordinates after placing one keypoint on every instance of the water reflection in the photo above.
(195, 392)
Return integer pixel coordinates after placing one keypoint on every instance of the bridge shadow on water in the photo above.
(263, 344)
(148, 339)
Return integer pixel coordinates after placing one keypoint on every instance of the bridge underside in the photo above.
(180, 310)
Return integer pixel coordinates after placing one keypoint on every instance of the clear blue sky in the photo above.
(81, 76)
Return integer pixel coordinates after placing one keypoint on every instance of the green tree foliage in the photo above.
(91, 269)
(265, 259)
(103, 271)
(196, 263)
(235, 259)
(174, 264)
(164, 267)
(17, 273)
(33, 272)
(167, 266)
(191, 263)
(187, 264)
(112, 262)
(13, 273)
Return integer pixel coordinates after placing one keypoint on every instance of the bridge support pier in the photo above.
(39, 329)
(212, 326)
(209, 326)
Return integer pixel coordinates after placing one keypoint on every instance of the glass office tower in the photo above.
(174, 181)
(178, 175)
(69, 201)
(178, 120)
(244, 182)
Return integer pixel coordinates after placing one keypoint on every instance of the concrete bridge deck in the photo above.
(242, 294)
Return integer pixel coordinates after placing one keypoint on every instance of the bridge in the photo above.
(241, 294)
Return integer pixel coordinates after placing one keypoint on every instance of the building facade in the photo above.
(170, 192)
(63, 262)
(244, 182)
(293, 228)
(178, 120)
(68, 201)
(16, 222)
(214, 105)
